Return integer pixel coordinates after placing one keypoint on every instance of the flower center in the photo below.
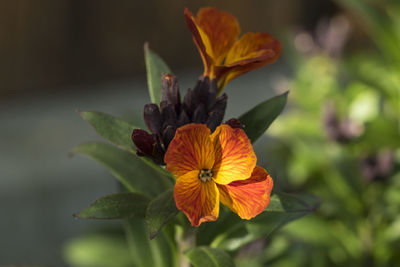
(205, 175)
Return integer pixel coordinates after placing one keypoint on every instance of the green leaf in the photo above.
(155, 68)
(98, 250)
(228, 222)
(146, 252)
(135, 173)
(115, 130)
(258, 119)
(116, 206)
(209, 257)
(282, 209)
(160, 211)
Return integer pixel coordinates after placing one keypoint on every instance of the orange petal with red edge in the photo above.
(221, 30)
(251, 51)
(234, 155)
(191, 149)
(198, 200)
(250, 197)
(200, 39)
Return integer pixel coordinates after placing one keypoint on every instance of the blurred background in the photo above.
(338, 138)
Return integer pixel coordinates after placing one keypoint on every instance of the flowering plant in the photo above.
(191, 160)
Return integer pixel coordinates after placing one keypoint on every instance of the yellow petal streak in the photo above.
(234, 155)
(219, 30)
(250, 197)
(191, 149)
(198, 200)
(216, 33)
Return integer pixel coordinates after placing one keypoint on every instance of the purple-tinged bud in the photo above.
(235, 123)
(152, 118)
(183, 119)
(168, 135)
(214, 119)
(158, 154)
(212, 94)
(220, 103)
(200, 114)
(200, 92)
(170, 91)
(188, 104)
(168, 114)
(144, 142)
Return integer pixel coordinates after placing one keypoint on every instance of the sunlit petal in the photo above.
(200, 39)
(249, 197)
(220, 28)
(191, 149)
(198, 200)
(251, 51)
(234, 155)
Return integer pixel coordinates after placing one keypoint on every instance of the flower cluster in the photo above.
(200, 105)
(213, 168)
(224, 56)
(212, 162)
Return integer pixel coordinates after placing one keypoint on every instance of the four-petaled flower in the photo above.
(213, 168)
(224, 56)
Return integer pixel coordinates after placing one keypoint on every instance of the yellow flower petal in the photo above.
(234, 155)
(198, 200)
(214, 32)
(220, 28)
(249, 197)
(252, 51)
(191, 149)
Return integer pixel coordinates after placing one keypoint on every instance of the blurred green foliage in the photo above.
(340, 140)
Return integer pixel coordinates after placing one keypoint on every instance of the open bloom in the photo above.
(213, 168)
(224, 56)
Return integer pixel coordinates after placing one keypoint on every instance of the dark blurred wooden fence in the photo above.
(46, 44)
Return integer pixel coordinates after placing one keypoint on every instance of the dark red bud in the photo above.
(200, 114)
(144, 142)
(170, 91)
(188, 104)
(168, 135)
(152, 118)
(235, 123)
(214, 119)
(200, 91)
(212, 94)
(168, 114)
(220, 103)
(183, 119)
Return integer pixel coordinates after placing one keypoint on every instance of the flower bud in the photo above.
(235, 123)
(144, 142)
(152, 118)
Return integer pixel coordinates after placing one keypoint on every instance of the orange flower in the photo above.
(224, 56)
(210, 168)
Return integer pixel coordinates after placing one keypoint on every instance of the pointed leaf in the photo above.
(135, 173)
(115, 130)
(210, 233)
(116, 206)
(155, 68)
(146, 252)
(258, 119)
(282, 209)
(209, 257)
(160, 211)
